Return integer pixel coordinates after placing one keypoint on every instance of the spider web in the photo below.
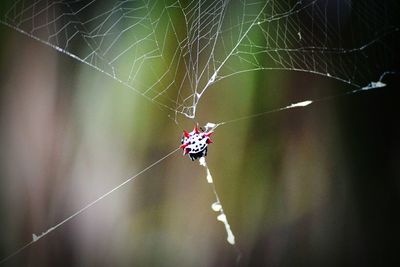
(171, 52)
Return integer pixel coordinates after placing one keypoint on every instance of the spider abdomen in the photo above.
(195, 143)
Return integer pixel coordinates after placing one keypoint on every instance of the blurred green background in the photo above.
(316, 186)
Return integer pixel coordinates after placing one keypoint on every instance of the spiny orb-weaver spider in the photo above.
(195, 143)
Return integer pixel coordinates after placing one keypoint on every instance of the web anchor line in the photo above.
(217, 207)
(36, 238)
(371, 86)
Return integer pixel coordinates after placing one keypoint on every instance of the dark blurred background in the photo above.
(314, 186)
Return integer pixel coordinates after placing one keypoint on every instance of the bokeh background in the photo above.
(315, 186)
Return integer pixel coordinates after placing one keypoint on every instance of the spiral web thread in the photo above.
(171, 52)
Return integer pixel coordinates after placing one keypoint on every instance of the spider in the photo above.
(195, 143)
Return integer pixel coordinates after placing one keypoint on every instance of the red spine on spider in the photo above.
(195, 143)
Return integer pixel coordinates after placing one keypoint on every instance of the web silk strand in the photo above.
(36, 238)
